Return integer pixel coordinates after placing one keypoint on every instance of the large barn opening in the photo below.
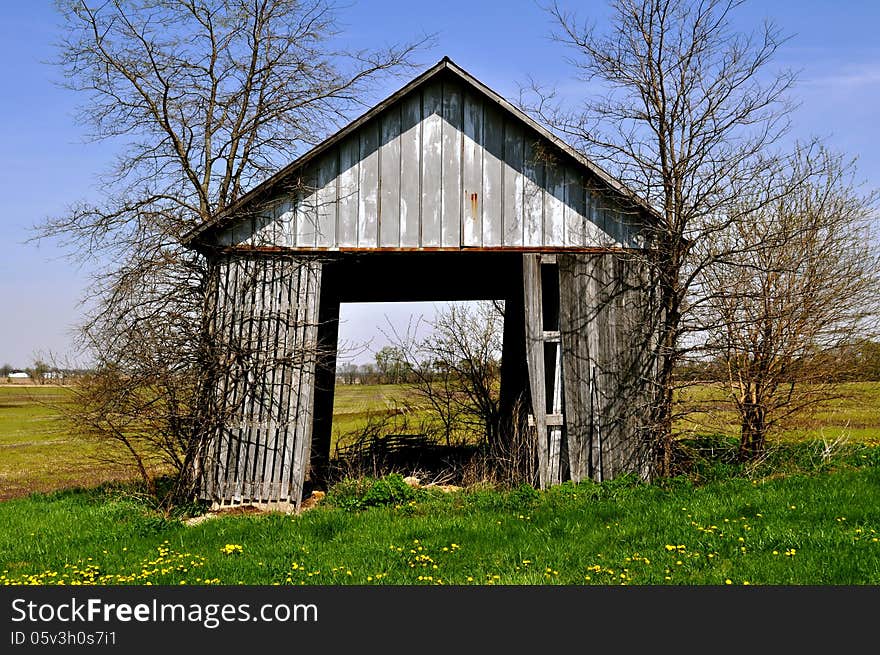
(418, 343)
(415, 382)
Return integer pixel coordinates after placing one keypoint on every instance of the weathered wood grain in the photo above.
(368, 185)
(535, 359)
(451, 180)
(410, 171)
(432, 165)
(472, 175)
(389, 179)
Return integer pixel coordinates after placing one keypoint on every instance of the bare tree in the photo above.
(797, 292)
(455, 369)
(391, 365)
(39, 371)
(685, 113)
(207, 98)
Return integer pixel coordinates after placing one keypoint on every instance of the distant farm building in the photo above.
(444, 191)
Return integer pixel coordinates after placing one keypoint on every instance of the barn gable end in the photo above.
(445, 163)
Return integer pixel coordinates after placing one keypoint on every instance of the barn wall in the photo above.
(606, 328)
(443, 167)
(266, 333)
(578, 338)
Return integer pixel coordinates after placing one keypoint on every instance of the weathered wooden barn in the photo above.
(444, 191)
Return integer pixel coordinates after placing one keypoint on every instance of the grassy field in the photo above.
(36, 452)
(798, 530)
(807, 515)
(37, 455)
(854, 416)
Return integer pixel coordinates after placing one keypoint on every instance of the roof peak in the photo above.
(445, 63)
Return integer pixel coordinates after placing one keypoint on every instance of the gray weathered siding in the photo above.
(265, 330)
(606, 327)
(444, 167)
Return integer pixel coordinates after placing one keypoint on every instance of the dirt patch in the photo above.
(257, 509)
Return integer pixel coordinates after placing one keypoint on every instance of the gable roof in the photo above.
(445, 65)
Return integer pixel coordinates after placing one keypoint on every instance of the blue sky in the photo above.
(46, 165)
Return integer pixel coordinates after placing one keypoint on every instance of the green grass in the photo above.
(819, 511)
(36, 452)
(354, 405)
(800, 530)
(852, 417)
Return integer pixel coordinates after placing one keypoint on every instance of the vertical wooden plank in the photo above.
(574, 208)
(246, 398)
(389, 178)
(259, 374)
(287, 222)
(598, 214)
(236, 433)
(261, 388)
(574, 326)
(533, 193)
(554, 206)
(432, 165)
(368, 183)
(493, 176)
(225, 319)
(269, 420)
(306, 211)
(305, 416)
(242, 231)
(535, 360)
(451, 164)
(286, 310)
(472, 171)
(612, 225)
(269, 491)
(292, 344)
(231, 430)
(327, 206)
(349, 156)
(266, 226)
(410, 170)
(606, 350)
(513, 182)
(593, 233)
(556, 448)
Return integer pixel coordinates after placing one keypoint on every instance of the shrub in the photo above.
(361, 493)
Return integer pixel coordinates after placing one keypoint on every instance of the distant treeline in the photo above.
(857, 363)
(41, 373)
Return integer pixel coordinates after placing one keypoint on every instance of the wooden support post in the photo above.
(513, 395)
(535, 359)
(305, 352)
(578, 332)
(325, 379)
(544, 364)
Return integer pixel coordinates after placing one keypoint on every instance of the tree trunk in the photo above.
(753, 432)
